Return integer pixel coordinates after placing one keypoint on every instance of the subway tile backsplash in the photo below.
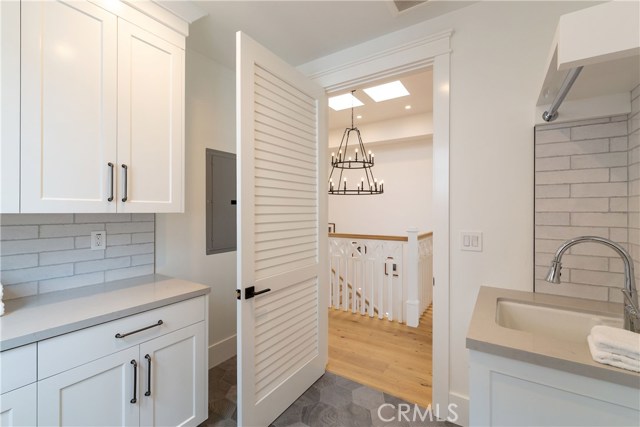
(587, 182)
(50, 252)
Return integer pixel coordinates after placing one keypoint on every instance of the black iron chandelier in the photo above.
(361, 159)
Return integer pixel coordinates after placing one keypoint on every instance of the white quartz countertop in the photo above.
(35, 318)
(487, 336)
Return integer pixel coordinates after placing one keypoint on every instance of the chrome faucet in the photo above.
(631, 310)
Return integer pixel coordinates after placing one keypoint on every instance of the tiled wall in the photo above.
(586, 183)
(45, 253)
(634, 180)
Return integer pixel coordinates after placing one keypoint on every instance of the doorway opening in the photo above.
(380, 315)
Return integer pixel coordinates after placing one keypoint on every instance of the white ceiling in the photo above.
(299, 31)
(420, 88)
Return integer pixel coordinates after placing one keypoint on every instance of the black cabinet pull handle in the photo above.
(119, 335)
(148, 392)
(111, 177)
(135, 380)
(125, 170)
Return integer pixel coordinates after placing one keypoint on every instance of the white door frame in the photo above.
(367, 63)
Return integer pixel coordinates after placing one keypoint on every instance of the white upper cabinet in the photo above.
(9, 107)
(69, 83)
(102, 110)
(150, 121)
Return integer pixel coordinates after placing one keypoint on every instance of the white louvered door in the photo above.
(282, 239)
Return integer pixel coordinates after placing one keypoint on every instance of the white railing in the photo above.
(381, 276)
(425, 270)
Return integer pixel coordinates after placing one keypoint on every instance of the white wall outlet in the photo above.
(98, 240)
(471, 241)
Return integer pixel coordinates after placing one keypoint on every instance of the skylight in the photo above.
(387, 91)
(342, 102)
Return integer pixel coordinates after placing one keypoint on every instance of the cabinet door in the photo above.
(68, 90)
(96, 394)
(150, 122)
(10, 107)
(177, 381)
(18, 407)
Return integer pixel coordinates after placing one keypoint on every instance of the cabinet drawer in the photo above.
(17, 367)
(76, 348)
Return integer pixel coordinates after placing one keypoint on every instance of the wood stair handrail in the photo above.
(425, 235)
(369, 237)
(379, 236)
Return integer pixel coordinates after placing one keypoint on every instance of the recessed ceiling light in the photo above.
(358, 116)
(387, 91)
(407, 107)
(342, 102)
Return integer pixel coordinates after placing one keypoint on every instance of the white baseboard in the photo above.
(222, 350)
(462, 408)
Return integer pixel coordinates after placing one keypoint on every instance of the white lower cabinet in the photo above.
(509, 392)
(161, 382)
(147, 369)
(99, 393)
(173, 379)
(17, 407)
(18, 386)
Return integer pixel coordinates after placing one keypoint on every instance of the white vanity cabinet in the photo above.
(102, 109)
(535, 372)
(509, 392)
(148, 369)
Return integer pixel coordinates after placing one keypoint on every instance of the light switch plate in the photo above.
(471, 241)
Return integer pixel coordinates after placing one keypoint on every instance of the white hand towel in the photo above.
(617, 341)
(616, 360)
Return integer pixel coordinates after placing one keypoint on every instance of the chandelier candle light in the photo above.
(360, 160)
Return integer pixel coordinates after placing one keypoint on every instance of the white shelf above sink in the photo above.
(604, 40)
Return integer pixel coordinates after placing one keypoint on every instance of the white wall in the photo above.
(498, 61)
(399, 128)
(497, 66)
(406, 168)
(180, 238)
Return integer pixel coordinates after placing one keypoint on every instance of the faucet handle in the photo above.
(631, 307)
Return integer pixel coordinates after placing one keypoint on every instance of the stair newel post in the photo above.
(412, 303)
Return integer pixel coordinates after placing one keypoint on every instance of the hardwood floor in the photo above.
(387, 356)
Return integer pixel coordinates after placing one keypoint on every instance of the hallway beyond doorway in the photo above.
(387, 356)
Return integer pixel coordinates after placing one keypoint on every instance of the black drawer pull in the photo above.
(135, 380)
(119, 335)
(148, 392)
